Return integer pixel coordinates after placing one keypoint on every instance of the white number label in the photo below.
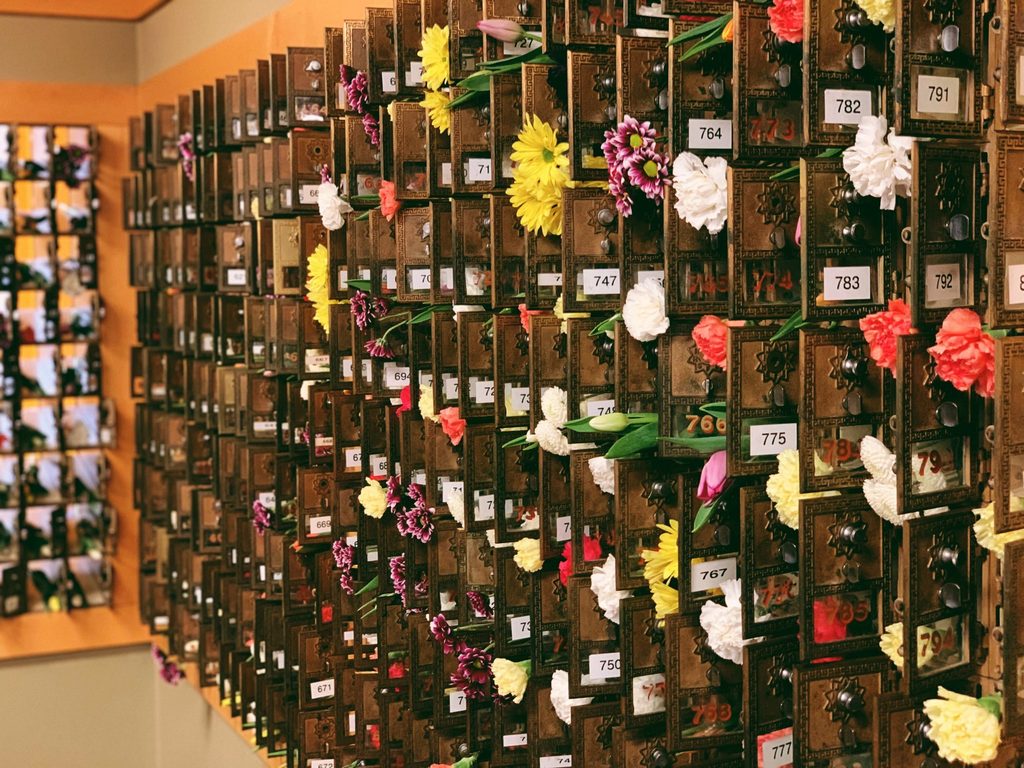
(395, 376)
(478, 169)
(550, 279)
(600, 407)
(322, 690)
(563, 528)
(318, 526)
(451, 388)
(711, 573)
(447, 279)
(519, 399)
(485, 507)
(235, 276)
(604, 666)
(389, 277)
(777, 752)
(514, 740)
(354, 458)
(657, 275)
(772, 439)
(308, 194)
(938, 95)
(709, 134)
(456, 702)
(329, 763)
(448, 488)
(415, 74)
(519, 47)
(520, 627)
(389, 83)
(346, 368)
(446, 174)
(555, 761)
(600, 282)
(483, 391)
(942, 282)
(378, 464)
(847, 283)
(843, 107)
(419, 279)
(1015, 283)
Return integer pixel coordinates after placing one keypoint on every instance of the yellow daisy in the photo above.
(666, 599)
(538, 206)
(539, 155)
(436, 103)
(663, 563)
(433, 54)
(317, 286)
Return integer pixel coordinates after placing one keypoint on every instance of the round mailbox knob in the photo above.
(788, 552)
(850, 701)
(659, 68)
(523, 7)
(959, 227)
(606, 217)
(608, 83)
(854, 368)
(314, 66)
(722, 535)
(856, 19)
(660, 758)
(854, 231)
(854, 533)
(947, 414)
(949, 555)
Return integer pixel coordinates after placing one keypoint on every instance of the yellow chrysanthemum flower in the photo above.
(783, 487)
(962, 728)
(433, 54)
(436, 103)
(374, 498)
(562, 315)
(527, 555)
(666, 599)
(985, 531)
(539, 155)
(662, 563)
(318, 286)
(538, 206)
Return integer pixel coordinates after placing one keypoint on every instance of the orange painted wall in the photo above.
(300, 23)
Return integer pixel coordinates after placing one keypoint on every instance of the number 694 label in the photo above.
(772, 439)
(847, 283)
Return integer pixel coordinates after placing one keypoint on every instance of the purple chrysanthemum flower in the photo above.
(379, 348)
(442, 633)
(187, 153)
(421, 586)
(393, 491)
(473, 676)
(480, 604)
(344, 558)
(372, 128)
(415, 492)
(356, 91)
(360, 308)
(396, 566)
(381, 307)
(617, 189)
(260, 517)
(417, 522)
(647, 170)
(629, 136)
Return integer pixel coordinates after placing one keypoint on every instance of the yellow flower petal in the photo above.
(433, 55)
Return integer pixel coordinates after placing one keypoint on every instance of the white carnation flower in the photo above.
(560, 697)
(551, 439)
(457, 507)
(553, 406)
(602, 584)
(880, 488)
(304, 389)
(702, 191)
(724, 623)
(603, 472)
(332, 206)
(644, 310)
(879, 165)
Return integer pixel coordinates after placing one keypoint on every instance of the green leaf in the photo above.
(703, 45)
(707, 509)
(363, 216)
(423, 316)
(516, 61)
(713, 409)
(715, 25)
(606, 325)
(371, 584)
(478, 81)
(795, 322)
(635, 441)
(993, 704)
(521, 440)
(466, 98)
(703, 445)
(361, 285)
(786, 173)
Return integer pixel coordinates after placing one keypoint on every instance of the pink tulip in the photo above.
(501, 29)
(713, 477)
(799, 235)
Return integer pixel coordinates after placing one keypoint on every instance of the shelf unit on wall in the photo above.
(57, 530)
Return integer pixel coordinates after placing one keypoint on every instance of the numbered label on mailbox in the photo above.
(845, 107)
(772, 439)
(388, 82)
(600, 282)
(942, 282)
(777, 752)
(1015, 283)
(520, 627)
(711, 573)
(709, 134)
(847, 283)
(319, 526)
(563, 528)
(321, 690)
(478, 169)
(456, 701)
(938, 95)
(604, 666)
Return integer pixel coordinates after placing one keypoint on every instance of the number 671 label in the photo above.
(772, 439)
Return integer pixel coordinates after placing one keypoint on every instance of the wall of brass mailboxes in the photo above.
(549, 383)
(56, 531)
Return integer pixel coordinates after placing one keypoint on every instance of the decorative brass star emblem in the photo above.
(775, 361)
(776, 203)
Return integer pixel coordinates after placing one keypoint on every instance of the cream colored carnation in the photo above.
(527, 555)
(510, 678)
(373, 498)
(783, 487)
(961, 728)
(891, 643)
(426, 405)
(985, 531)
(881, 12)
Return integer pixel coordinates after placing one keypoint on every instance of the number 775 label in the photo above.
(772, 439)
